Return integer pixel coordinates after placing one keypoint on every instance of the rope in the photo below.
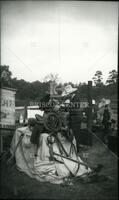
(72, 145)
(20, 139)
(61, 147)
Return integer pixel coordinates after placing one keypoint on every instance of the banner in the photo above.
(7, 111)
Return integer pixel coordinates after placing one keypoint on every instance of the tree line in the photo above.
(34, 91)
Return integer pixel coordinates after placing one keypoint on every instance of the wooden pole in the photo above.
(1, 142)
(1, 139)
(89, 120)
(25, 112)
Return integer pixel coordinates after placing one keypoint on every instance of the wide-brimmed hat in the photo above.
(68, 90)
(39, 118)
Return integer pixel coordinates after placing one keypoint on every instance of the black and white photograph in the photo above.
(59, 100)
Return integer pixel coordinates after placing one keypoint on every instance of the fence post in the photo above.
(1, 142)
(89, 120)
(25, 112)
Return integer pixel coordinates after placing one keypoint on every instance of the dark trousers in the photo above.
(76, 126)
(105, 132)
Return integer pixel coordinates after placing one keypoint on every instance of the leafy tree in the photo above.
(5, 76)
(98, 78)
(51, 77)
(35, 91)
(113, 76)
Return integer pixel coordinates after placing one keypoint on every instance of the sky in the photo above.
(73, 39)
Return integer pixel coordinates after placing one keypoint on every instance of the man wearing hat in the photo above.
(75, 117)
(31, 123)
(74, 111)
(106, 123)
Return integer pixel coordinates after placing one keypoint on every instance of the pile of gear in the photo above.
(46, 150)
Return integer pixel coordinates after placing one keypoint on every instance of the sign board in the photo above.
(32, 113)
(7, 112)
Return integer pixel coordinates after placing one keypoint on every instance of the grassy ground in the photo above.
(16, 185)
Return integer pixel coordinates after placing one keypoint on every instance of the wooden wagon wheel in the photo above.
(52, 122)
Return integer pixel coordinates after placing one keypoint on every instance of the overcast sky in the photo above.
(71, 38)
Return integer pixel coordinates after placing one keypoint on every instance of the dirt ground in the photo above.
(17, 185)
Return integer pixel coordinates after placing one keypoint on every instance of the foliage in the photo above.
(35, 91)
(29, 91)
(98, 78)
(5, 76)
(113, 76)
(51, 77)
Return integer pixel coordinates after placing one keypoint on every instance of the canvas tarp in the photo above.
(42, 167)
